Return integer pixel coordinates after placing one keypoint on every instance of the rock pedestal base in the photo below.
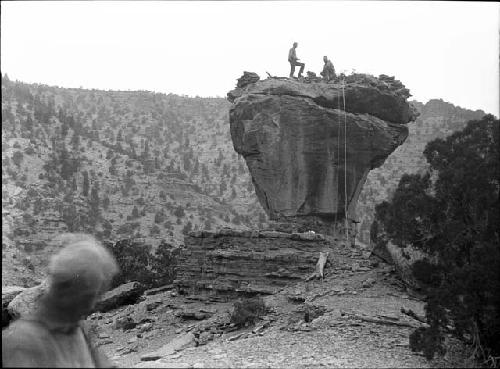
(233, 263)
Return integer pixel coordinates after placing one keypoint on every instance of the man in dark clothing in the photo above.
(328, 70)
(294, 61)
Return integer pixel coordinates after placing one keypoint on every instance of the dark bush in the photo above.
(187, 228)
(154, 230)
(134, 260)
(17, 158)
(159, 217)
(427, 273)
(247, 311)
(29, 150)
(454, 219)
(164, 263)
(138, 263)
(427, 341)
(179, 212)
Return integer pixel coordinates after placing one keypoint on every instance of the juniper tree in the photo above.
(454, 219)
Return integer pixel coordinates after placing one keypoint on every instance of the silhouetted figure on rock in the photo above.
(53, 336)
(328, 72)
(294, 61)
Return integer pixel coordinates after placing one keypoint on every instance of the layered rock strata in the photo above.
(233, 263)
(307, 154)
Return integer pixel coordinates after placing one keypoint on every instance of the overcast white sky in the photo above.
(447, 50)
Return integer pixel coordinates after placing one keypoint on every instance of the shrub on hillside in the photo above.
(164, 264)
(134, 260)
(135, 213)
(247, 310)
(138, 263)
(5, 162)
(159, 217)
(454, 219)
(128, 228)
(154, 230)
(187, 228)
(17, 158)
(179, 212)
(105, 202)
(29, 150)
(29, 220)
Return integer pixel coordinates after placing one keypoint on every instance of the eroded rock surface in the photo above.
(21, 303)
(125, 294)
(25, 303)
(235, 263)
(309, 157)
(8, 294)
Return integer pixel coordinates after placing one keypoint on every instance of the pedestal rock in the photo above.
(309, 145)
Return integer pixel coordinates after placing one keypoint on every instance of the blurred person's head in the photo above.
(78, 275)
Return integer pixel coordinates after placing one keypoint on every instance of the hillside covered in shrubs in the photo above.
(120, 165)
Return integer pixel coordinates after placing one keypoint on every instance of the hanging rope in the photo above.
(338, 166)
(345, 164)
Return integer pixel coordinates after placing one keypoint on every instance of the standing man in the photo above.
(328, 70)
(294, 61)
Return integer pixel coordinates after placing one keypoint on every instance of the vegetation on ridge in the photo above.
(119, 165)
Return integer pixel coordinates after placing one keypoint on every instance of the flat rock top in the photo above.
(383, 96)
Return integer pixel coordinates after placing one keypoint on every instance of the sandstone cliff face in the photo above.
(292, 137)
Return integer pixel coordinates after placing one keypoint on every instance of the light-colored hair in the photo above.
(82, 264)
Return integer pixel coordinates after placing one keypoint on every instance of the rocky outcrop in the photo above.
(18, 302)
(125, 294)
(247, 78)
(25, 303)
(308, 156)
(234, 263)
(8, 294)
(177, 344)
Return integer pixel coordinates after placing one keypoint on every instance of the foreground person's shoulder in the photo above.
(22, 329)
(23, 344)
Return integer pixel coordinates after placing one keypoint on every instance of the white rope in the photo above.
(338, 166)
(345, 164)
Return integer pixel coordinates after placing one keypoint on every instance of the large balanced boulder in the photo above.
(307, 152)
